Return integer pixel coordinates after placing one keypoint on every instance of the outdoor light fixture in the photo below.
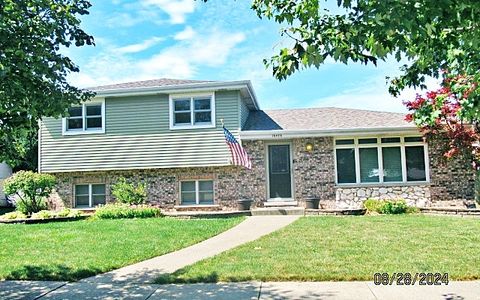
(309, 147)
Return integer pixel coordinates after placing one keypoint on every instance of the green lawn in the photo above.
(348, 248)
(74, 250)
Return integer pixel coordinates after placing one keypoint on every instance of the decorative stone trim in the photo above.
(418, 195)
(450, 211)
(335, 212)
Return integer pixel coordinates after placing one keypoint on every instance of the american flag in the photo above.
(239, 155)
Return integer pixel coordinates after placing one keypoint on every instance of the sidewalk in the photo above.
(146, 271)
(360, 290)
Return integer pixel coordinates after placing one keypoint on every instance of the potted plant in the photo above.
(244, 204)
(312, 202)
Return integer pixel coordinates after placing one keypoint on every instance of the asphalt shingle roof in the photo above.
(146, 84)
(326, 118)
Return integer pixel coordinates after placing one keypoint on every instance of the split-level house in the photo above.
(168, 134)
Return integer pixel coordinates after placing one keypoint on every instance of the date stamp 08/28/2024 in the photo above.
(410, 278)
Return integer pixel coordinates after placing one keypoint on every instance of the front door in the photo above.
(279, 173)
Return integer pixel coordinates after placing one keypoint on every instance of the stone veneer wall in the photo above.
(353, 197)
(230, 182)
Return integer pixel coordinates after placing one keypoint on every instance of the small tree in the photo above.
(31, 190)
(129, 193)
(446, 116)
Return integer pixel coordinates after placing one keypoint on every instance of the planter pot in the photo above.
(312, 203)
(244, 204)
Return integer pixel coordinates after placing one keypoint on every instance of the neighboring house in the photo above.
(5, 172)
(168, 134)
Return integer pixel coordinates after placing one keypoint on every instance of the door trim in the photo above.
(267, 170)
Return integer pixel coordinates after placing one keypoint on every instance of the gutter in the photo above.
(286, 134)
(197, 87)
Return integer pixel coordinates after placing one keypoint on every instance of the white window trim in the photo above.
(90, 193)
(65, 131)
(173, 97)
(197, 192)
(379, 145)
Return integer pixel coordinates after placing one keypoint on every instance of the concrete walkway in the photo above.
(360, 290)
(146, 271)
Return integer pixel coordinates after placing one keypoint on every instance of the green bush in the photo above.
(30, 189)
(387, 206)
(43, 214)
(67, 212)
(121, 210)
(64, 212)
(394, 207)
(13, 215)
(129, 193)
(373, 205)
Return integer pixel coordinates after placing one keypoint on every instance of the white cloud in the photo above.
(115, 20)
(372, 95)
(182, 60)
(134, 48)
(186, 34)
(176, 9)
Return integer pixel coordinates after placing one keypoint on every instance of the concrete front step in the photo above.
(278, 211)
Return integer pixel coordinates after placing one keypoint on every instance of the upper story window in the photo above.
(381, 160)
(85, 118)
(192, 111)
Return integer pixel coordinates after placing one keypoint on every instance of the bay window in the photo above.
(381, 160)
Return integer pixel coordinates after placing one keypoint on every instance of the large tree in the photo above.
(33, 70)
(437, 38)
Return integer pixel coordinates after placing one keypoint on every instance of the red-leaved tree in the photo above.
(449, 116)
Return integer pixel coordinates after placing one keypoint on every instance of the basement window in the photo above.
(196, 192)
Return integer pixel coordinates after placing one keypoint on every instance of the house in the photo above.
(5, 172)
(168, 134)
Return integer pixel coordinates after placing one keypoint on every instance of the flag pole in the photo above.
(221, 121)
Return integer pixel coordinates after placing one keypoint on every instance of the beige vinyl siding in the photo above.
(138, 136)
(244, 111)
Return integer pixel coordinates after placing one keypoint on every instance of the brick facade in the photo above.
(452, 181)
(314, 172)
(313, 175)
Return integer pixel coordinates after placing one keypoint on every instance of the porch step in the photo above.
(278, 211)
(281, 204)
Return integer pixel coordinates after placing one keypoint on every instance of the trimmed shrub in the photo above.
(387, 206)
(43, 214)
(13, 215)
(129, 193)
(30, 190)
(120, 211)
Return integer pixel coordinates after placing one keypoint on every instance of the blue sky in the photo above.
(218, 40)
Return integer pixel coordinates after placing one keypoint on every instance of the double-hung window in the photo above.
(86, 118)
(196, 192)
(89, 195)
(381, 160)
(192, 111)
